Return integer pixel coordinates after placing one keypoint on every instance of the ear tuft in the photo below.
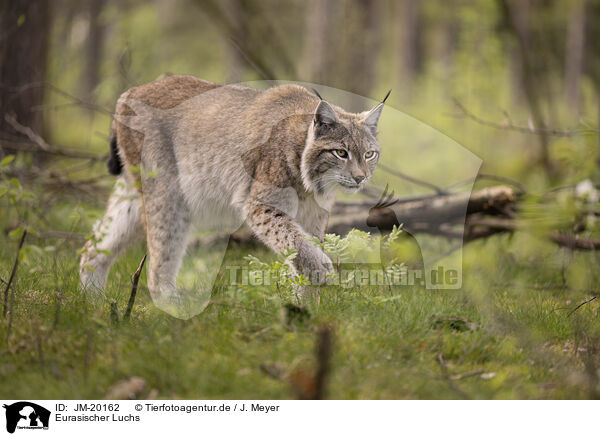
(386, 96)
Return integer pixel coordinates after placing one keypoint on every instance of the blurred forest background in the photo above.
(531, 63)
(517, 82)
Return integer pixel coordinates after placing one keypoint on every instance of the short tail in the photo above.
(115, 166)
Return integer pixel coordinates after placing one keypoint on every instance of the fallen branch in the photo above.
(438, 214)
(575, 243)
(427, 215)
(461, 216)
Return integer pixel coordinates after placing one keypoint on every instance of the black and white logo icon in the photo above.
(26, 415)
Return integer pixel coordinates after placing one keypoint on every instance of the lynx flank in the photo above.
(193, 152)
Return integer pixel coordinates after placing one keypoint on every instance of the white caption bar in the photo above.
(296, 417)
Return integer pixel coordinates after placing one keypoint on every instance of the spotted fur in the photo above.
(222, 155)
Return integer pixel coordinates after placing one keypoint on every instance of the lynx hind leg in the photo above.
(120, 227)
(168, 226)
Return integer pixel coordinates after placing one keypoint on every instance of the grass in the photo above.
(518, 292)
(523, 342)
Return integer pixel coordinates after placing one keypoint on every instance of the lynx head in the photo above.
(341, 149)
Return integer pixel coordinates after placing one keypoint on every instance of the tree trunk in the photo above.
(411, 43)
(317, 46)
(574, 53)
(94, 47)
(235, 62)
(516, 16)
(363, 46)
(24, 29)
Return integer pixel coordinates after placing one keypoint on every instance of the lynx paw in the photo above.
(314, 264)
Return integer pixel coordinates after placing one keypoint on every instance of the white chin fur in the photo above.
(309, 184)
(351, 189)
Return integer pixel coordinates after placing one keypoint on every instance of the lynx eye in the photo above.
(370, 154)
(340, 153)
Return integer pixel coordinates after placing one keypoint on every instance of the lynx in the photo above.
(190, 152)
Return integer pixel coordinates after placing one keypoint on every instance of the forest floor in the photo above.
(524, 339)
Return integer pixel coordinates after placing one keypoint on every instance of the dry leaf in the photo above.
(128, 389)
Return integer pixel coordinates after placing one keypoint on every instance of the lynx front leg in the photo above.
(279, 232)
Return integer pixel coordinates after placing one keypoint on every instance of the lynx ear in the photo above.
(372, 117)
(325, 117)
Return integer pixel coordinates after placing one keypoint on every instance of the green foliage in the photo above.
(387, 344)
(522, 292)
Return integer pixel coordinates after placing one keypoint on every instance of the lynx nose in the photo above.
(358, 179)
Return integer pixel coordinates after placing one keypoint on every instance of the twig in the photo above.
(239, 39)
(511, 126)
(411, 179)
(11, 309)
(54, 150)
(251, 62)
(134, 287)
(582, 304)
(27, 131)
(12, 275)
(59, 91)
(446, 376)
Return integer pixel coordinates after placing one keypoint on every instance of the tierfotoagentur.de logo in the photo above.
(24, 415)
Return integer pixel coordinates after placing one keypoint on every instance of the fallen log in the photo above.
(439, 214)
(460, 215)
(429, 214)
